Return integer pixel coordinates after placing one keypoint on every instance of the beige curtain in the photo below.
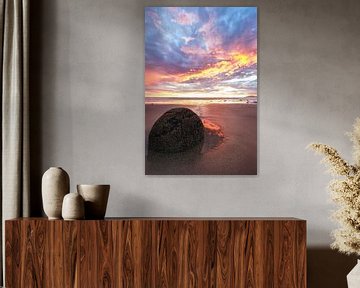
(14, 25)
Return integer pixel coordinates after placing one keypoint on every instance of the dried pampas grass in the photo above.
(345, 191)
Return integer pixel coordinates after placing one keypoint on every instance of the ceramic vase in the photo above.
(353, 278)
(96, 198)
(55, 185)
(73, 207)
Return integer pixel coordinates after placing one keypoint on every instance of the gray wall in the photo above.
(88, 108)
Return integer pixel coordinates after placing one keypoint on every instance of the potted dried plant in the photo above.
(345, 192)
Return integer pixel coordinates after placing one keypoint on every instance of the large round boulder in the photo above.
(177, 130)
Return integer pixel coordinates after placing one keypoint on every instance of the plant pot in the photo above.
(55, 185)
(353, 278)
(96, 198)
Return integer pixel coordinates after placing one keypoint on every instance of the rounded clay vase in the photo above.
(96, 198)
(55, 185)
(73, 207)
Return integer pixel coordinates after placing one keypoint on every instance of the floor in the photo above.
(328, 268)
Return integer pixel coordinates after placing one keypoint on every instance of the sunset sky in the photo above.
(205, 53)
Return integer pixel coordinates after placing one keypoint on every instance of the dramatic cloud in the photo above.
(206, 52)
(184, 18)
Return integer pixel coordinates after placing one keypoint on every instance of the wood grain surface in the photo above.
(159, 252)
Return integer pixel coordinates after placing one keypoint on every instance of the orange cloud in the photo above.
(153, 77)
(233, 61)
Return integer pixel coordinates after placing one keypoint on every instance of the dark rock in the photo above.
(177, 130)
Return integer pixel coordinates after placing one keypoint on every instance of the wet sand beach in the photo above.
(229, 148)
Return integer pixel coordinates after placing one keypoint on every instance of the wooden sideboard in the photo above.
(156, 252)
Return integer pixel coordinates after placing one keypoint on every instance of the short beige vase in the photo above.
(96, 198)
(55, 185)
(73, 207)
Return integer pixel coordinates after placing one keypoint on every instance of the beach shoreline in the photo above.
(229, 149)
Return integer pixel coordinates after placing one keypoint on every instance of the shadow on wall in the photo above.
(328, 268)
(35, 64)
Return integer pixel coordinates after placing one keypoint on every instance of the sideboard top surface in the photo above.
(175, 219)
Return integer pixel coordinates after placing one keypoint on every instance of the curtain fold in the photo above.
(15, 162)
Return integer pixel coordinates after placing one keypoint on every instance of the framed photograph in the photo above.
(201, 90)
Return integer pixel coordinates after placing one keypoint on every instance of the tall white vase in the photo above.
(353, 278)
(55, 185)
